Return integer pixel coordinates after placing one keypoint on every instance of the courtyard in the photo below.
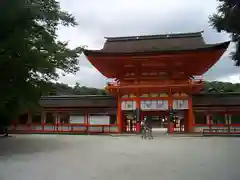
(61, 157)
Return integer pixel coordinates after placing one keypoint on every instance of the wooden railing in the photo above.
(64, 128)
(229, 130)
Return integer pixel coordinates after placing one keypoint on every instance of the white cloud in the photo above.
(232, 78)
(87, 76)
(98, 19)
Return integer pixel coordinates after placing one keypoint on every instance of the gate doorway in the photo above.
(160, 120)
(130, 122)
(180, 120)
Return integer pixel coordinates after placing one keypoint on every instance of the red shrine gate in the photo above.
(155, 74)
(158, 107)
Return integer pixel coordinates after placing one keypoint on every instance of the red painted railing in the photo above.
(218, 125)
(64, 128)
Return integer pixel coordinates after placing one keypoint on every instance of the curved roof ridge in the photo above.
(221, 45)
(156, 36)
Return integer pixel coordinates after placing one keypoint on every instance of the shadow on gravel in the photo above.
(15, 145)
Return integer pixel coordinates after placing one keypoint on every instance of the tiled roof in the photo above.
(163, 42)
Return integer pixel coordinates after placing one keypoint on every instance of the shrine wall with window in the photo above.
(99, 119)
(113, 119)
(50, 118)
(64, 118)
(77, 117)
(23, 119)
(218, 118)
(200, 118)
(37, 118)
(235, 119)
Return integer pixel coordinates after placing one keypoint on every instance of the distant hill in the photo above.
(64, 89)
(216, 86)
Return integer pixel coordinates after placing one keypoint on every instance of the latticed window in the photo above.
(200, 118)
(50, 118)
(235, 119)
(36, 118)
(64, 118)
(113, 119)
(218, 119)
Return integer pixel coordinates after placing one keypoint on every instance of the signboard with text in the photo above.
(180, 104)
(128, 105)
(153, 105)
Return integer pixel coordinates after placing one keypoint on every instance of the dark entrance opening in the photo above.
(130, 121)
(159, 118)
(180, 120)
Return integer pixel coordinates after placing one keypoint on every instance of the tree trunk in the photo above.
(5, 131)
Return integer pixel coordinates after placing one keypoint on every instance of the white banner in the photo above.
(99, 120)
(153, 105)
(76, 119)
(128, 105)
(180, 104)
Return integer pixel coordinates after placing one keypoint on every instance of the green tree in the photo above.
(31, 55)
(220, 87)
(227, 19)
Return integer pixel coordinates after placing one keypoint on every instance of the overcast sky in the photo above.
(98, 19)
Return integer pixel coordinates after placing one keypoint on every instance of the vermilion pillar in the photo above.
(170, 109)
(226, 118)
(190, 116)
(119, 116)
(29, 121)
(57, 120)
(86, 120)
(138, 115)
(43, 119)
(229, 119)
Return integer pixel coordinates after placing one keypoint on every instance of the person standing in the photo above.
(149, 125)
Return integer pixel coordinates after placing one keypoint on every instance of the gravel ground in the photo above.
(62, 157)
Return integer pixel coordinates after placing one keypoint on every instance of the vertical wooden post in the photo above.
(190, 116)
(29, 121)
(227, 121)
(226, 118)
(29, 117)
(208, 120)
(230, 119)
(137, 128)
(43, 119)
(138, 115)
(119, 116)
(86, 120)
(170, 108)
(138, 106)
(56, 120)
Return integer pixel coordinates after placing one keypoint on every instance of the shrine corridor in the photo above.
(48, 157)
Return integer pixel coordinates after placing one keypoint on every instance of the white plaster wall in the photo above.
(199, 128)
(76, 119)
(99, 120)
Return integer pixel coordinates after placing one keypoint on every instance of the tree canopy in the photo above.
(227, 19)
(209, 87)
(31, 55)
(64, 89)
(221, 87)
